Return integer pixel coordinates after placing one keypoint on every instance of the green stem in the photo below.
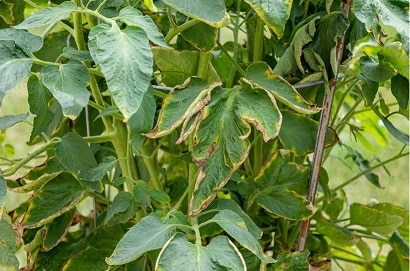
(151, 168)
(232, 60)
(194, 222)
(13, 169)
(95, 14)
(178, 29)
(258, 47)
(44, 63)
(231, 78)
(100, 138)
(203, 64)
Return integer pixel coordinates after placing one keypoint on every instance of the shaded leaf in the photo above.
(141, 193)
(48, 15)
(364, 165)
(220, 254)
(57, 230)
(201, 36)
(395, 54)
(9, 121)
(8, 261)
(134, 17)
(211, 12)
(68, 84)
(3, 191)
(98, 172)
(373, 219)
(298, 133)
(402, 137)
(337, 233)
(27, 41)
(260, 75)
(400, 90)
(121, 209)
(369, 90)
(7, 233)
(71, 53)
(236, 227)
(148, 234)
(377, 72)
(15, 65)
(126, 62)
(38, 98)
(52, 199)
(296, 261)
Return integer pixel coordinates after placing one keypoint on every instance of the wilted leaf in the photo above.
(15, 65)
(48, 15)
(52, 199)
(211, 12)
(274, 14)
(57, 230)
(220, 254)
(296, 261)
(68, 84)
(126, 62)
(374, 220)
(148, 234)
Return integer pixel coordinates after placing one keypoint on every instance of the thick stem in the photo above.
(178, 29)
(321, 135)
(152, 169)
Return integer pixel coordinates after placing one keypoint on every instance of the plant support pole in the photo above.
(321, 135)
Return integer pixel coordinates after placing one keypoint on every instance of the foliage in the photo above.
(194, 151)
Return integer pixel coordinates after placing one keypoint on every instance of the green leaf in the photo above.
(148, 234)
(160, 197)
(393, 13)
(143, 120)
(261, 76)
(211, 12)
(3, 191)
(369, 90)
(98, 172)
(363, 166)
(8, 261)
(337, 233)
(274, 14)
(27, 41)
(38, 98)
(377, 72)
(9, 121)
(396, 210)
(52, 199)
(202, 36)
(141, 193)
(7, 233)
(126, 62)
(55, 232)
(400, 90)
(71, 53)
(181, 105)
(134, 17)
(221, 143)
(48, 15)
(374, 220)
(15, 65)
(292, 261)
(298, 133)
(402, 137)
(121, 210)
(179, 254)
(400, 245)
(177, 67)
(235, 226)
(11, 12)
(291, 60)
(394, 54)
(68, 84)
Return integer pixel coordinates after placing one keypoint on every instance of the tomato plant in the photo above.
(196, 131)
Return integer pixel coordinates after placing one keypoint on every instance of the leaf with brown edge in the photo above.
(260, 75)
(220, 141)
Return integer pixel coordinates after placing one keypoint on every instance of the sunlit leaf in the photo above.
(211, 12)
(274, 14)
(126, 62)
(23, 39)
(15, 65)
(336, 233)
(8, 261)
(148, 234)
(377, 72)
(296, 261)
(219, 254)
(7, 233)
(3, 191)
(51, 200)
(260, 75)
(10, 120)
(374, 219)
(68, 84)
(394, 54)
(236, 227)
(399, 211)
(48, 15)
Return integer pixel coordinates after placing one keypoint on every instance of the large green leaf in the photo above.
(201, 36)
(296, 261)
(337, 233)
(7, 233)
(260, 75)
(395, 54)
(52, 199)
(15, 65)
(211, 12)
(221, 143)
(281, 185)
(48, 15)
(400, 211)
(126, 62)
(38, 98)
(23, 39)
(55, 232)
(236, 227)
(374, 219)
(134, 17)
(274, 13)
(400, 90)
(180, 254)
(148, 234)
(8, 261)
(298, 133)
(377, 72)
(391, 12)
(68, 84)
